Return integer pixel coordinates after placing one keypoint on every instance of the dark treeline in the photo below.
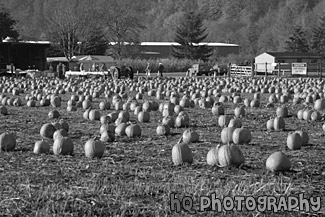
(256, 25)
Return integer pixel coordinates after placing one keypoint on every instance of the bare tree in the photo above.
(122, 22)
(72, 25)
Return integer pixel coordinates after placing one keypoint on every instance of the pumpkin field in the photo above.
(96, 147)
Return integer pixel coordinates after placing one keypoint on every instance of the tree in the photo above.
(189, 34)
(318, 41)
(74, 28)
(297, 42)
(122, 23)
(7, 25)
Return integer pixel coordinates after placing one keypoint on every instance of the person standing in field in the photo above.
(147, 70)
(160, 70)
(59, 70)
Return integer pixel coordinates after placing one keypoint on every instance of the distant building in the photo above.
(23, 54)
(161, 50)
(269, 61)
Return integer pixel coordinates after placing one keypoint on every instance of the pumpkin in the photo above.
(107, 127)
(94, 114)
(294, 141)
(113, 116)
(60, 132)
(47, 130)
(226, 134)
(120, 129)
(144, 116)
(323, 127)
(163, 130)
(31, 103)
(212, 156)
(7, 141)
(223, 120)
(315, 116)
(278, 162)
(63, 146)
(247, 102)
(105, 105)
(241, 136)
(304, 136)
(319, 104)
(168, 112)
(64, 125)
(235, 122)
(255, 103)
(270, 124)
(86, 104)
(137, 110)
(41, 147)
(168, 120)
(85, 115)
(133, 130)
(282, 112)
(190, 135)
(146, 106)
(307, 114)
(178, 109)
(230, 154)
(56, 102)
(94, 148)
(182, 121)
(53, 114)
(125, 115)
(105, 119)
(107, 136)
(181, 153)
(300, 114)
(17, 102)
(240, 111)
(279, 124)
(218, 109)
(3, 110)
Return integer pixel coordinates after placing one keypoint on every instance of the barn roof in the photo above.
(293, 55)
(163, 43)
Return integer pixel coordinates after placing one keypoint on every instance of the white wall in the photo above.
(260, 61)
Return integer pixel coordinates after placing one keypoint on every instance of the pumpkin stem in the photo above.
(180, 140)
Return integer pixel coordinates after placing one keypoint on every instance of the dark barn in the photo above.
(23, 54)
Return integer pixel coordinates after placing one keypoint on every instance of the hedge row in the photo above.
(171, 65)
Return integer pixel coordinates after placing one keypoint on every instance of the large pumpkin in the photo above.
(63, 146)
(226, 134)
(223, 120)
(163, 130)
(241, 136)
(212, 156)
(181, 153)
(230, 154)
(294, 141)
(7, 141)
(133, 130)
(278, 162)
(279, 124)
(41, 147)
(190, 135)
(94, 148)
(47, 130)
(144, 116)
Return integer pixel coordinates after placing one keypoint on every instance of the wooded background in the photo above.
(256, 25)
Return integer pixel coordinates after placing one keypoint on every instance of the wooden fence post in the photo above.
(253, 68)
(265, 69)
(279, 69)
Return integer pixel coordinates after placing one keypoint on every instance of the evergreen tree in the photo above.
(7, 25)
(318, 41)
(188, 35)
(297, 42)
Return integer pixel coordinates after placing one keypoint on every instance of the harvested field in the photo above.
(136, 176)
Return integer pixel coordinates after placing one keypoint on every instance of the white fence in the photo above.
(240, 70)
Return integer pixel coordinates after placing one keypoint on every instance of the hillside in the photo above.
(256, 25)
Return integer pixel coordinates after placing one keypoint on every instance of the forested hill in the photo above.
(256, 25)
